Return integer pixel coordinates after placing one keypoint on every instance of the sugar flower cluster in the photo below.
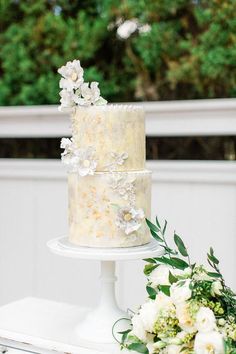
(74, 91)
(189, 310)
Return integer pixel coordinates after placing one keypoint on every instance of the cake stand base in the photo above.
(97, 325)
(98, 322)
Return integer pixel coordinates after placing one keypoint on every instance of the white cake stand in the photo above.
(97, 325)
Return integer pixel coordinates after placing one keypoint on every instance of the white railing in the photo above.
(196, 197)
(173, 118)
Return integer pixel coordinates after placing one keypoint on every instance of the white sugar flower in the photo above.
(89, 95)
(180, 291)
(144, 28)
(209, 343)
(127, 28)
(85, 161)
(117, 159)
(129, 219)
(79, 160)
(67, 101)
(205, 320)
(216, 288)
(138, 328)
(160, 275)
(72, 75)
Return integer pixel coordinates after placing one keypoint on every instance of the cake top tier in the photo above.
(104, 137)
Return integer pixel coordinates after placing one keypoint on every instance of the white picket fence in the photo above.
(198, 198)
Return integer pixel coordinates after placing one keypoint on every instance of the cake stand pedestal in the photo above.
(97, 325)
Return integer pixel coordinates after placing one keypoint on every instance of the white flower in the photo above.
(117, 159)
(144, 28)
(209, 343)
(155, 347)
(186, 322)
(127, 28)
(89, 95)
(173, 349)
(160, 275)
(164, 302)
(138, 328)
(205, 320)
(85, 164)
(216, 288)
(67, 101)
(180, 292)
(72, 74)
(129, 219)
(79, 160)
(148, 314)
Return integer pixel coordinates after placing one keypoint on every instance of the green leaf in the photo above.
(149, 268)
(154, 234)
(165, 289)
(213, 259)
(124, 335)
(181, 246)
(172, 278)
(214, 275)
(164, 228)
(150, 260)
(152, 226)
(138, 347)
(173, 261)
(151, 292)
(179, 263)
(157, 222)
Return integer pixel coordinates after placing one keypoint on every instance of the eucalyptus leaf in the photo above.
(174, 262)
(181, 246)
(164, 228)
(149, 268)
(213, 259)
(152, 226)
(154, 235)
(151, 292)
(172, 278)
(150, 260)
(165, 289)
(157, 222)
(214, 275)
(138, 347)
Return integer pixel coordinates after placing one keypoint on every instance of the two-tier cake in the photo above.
(109, 188)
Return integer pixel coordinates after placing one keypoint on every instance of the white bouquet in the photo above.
(189, 308)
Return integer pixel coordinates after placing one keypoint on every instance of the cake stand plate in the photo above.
(98, 323)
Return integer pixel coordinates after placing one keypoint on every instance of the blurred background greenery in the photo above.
(181, 49)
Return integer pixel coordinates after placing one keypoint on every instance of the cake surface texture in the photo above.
(113, 129)
(109, 189)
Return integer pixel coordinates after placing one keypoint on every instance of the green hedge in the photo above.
(190, 51)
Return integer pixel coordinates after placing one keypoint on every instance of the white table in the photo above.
(33, 325)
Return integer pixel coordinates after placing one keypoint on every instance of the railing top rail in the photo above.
(167, 118)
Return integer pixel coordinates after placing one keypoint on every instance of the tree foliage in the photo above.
(190, 51)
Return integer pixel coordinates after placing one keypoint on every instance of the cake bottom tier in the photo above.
(108, 209)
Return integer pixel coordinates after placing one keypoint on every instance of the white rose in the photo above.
(205, 320)
(163, 302)
(138, 328)
(153, 347)
(160, 275)
(186, 321)
(148, 313)
(216, 288)
(208, 343)
(173, 349)
(180, 292)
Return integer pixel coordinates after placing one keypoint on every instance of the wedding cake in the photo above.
(109, 187)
